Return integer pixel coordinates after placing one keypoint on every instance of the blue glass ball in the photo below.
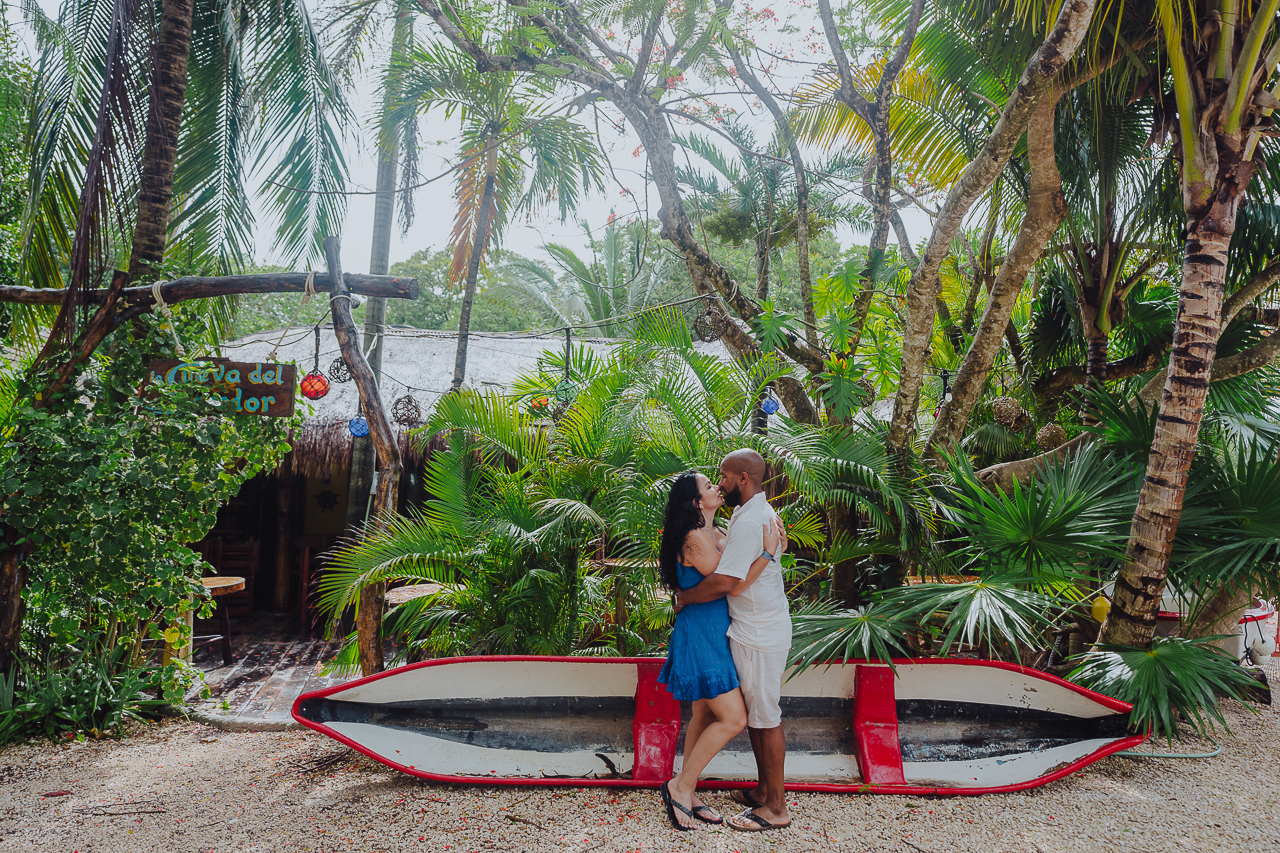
(770, 406)
(359, 427)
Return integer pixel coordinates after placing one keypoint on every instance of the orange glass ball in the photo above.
(314, 385)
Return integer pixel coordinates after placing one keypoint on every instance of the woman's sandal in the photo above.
(672, 805)
(761, 823)
(697, 813)
(742, 798)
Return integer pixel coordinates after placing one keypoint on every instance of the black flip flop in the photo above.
(696, 809)
(761, 826)
(672, 805)
(742, 798)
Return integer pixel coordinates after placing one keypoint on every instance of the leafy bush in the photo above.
(102, 489)
(82, 693)
(1174, 678)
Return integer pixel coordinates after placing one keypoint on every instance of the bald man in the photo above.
(759, 635)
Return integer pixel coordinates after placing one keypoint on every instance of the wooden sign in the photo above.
(257, 388)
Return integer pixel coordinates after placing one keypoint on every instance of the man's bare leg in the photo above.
(770, 748)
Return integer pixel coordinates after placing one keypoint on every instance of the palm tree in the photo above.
(503, 119)
(227, 92)
(614, 283)
(753, 197)
(1215, 145)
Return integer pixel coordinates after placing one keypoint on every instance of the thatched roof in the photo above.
(414, 362)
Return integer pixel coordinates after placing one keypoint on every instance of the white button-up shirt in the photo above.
(760, 618)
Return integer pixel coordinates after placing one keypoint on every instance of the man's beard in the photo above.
(733, 497)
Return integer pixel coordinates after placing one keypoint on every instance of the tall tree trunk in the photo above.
(363, 456)
(1046, 208)
(1132, 618)
(875, 113)
(1037, 79)
(160, 150)
(368, 621)
(12, 582)
(473, 263)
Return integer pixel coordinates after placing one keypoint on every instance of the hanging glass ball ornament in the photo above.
(359, 426)
(565, 391)
(406, 411)
(339, 372)
(314, 385)
(770, 406)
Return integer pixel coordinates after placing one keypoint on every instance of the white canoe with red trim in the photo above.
(928, 726)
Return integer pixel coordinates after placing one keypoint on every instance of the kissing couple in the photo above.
(731, 638)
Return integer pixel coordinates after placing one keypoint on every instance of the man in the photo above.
(759, 635)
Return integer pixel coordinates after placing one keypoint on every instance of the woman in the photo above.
(699, 667)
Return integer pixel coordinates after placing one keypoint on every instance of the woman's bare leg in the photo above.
(730, 718)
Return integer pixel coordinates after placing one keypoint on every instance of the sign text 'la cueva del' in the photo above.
(256, 388)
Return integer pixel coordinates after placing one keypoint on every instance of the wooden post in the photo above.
(372, 598)
(284, 535)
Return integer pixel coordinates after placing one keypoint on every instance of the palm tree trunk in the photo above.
(160, 150)
(1132, 619)
(473, 263)
(363, 458)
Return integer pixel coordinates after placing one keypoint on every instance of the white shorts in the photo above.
(760, 674)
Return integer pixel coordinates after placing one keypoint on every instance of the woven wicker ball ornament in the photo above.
(1006, 411)
(406, 411)
(1050, 436)
(709, 326)
(339, 372)
(314, 385)
(359, 426)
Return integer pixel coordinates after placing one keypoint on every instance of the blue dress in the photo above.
(699, 665)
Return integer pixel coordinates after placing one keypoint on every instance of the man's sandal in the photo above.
(697, 813)
(761, 824)
(743, 798)
(672, 805)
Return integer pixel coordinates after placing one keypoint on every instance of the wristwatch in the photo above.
(765, 553)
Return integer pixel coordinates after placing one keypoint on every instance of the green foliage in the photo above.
(79, 691)
(105, 485)
(1076, 510)
(524, 508)
(821, 634)
(992, 610)
(15, 87)
(1175, 678)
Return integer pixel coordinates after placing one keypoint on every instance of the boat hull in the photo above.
(930, 726)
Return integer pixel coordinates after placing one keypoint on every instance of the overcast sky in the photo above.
(434, 203)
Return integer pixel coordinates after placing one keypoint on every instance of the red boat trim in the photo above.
(875, 726)
(723, 785)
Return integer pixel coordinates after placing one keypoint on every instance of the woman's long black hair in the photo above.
(683, 514)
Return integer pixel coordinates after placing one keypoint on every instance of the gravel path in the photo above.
(187, 788)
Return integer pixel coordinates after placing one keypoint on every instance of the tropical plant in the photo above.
(503, 119)
(1174, 680)
(540, 529)
(603, 293)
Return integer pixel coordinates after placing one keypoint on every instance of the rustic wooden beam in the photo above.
(202, 287)
(372, 597)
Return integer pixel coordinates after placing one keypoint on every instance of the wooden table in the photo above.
(219, 586)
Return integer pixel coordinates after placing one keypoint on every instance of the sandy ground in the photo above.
(183, 787)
